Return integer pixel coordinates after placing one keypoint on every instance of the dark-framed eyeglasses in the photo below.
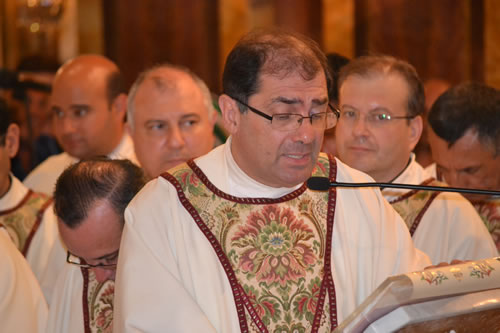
(292, 121)
(74, 260)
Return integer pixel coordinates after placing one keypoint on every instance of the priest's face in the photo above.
(85, 123)
(273, 157)
(365, 139)
(468, 163)
(96, 240)
(171, 123)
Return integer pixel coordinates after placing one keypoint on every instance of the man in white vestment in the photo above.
(89, 200)
(171, 118)
(382, 102)
(234, 241)
(22, 305)
(26, 215)
(464, 136)
(88, 103)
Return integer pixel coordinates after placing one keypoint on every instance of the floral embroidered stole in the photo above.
(98, 303)
(22, 221)
(413, 205)
(276, 252)
(489, 210)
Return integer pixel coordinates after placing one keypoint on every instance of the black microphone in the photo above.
(324, 184)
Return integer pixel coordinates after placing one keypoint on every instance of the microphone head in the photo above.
(318, 183)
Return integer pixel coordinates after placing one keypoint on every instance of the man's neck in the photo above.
(392, 176)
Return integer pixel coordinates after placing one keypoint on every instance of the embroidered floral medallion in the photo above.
(98, 303)
(276, 249)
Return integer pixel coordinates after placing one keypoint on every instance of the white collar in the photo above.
(242, 185)
(14, 195)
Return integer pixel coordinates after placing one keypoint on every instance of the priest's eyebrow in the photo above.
(291, 101)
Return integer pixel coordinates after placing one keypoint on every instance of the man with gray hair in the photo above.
(171, 118)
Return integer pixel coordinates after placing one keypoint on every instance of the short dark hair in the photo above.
(114, 86)
(6, 118)
(335, 62)
(82, 184)
(373, 65)
(466, 106)
(274, 52)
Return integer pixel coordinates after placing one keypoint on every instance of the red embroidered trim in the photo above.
(16, 207)
(412, 192)
(39, 217)
(422, 212)
(85, 302)
(420, 215)
(233, 281)
(328, 283)
(253, 201)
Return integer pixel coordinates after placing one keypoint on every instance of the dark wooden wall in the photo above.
(139, 34)
(440, 38)
(186, 32)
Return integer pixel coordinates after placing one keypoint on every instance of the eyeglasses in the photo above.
(292, 121)
(374, 119)
(74, 260)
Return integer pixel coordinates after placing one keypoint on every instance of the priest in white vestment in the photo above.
(90, 223)
(381, 100)
(22, 305)
(465, 146)
(27, 216)
(88, 102)
(234, 241)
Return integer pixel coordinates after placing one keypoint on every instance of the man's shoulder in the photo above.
(347, 174)
(47, 172)
(59, 161)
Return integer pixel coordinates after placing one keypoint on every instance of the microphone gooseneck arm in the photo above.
(323, 184)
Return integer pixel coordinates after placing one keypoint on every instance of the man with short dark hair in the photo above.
(381, 102)
(89, 201)
(88, 103)
(26, 215)
(465, 142)
(22, 305)
(171, 118)
(234, 241)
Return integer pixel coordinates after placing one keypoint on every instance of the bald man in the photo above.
(171, 118)
(88, 104)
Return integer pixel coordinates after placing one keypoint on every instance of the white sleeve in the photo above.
(149, 295)
(22, 306)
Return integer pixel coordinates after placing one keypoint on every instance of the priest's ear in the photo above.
(11, 140)
(231, 114)
(416, 126)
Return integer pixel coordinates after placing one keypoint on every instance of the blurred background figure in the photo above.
(433, 89)
(171, 118)
(88, 105)
(28, 94)
(335, 62)
(464, 134)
